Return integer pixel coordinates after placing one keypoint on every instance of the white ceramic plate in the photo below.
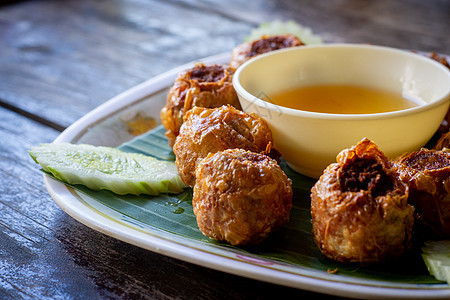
(106, 126)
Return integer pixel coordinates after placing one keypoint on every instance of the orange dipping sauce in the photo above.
(342, 99)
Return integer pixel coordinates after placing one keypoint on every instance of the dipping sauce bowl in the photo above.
(310, 141)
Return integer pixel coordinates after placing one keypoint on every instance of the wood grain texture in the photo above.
(79, 54)
(61, 59)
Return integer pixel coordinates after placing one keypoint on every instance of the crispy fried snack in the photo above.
(241, 196)
(427, 172)
(207, 130)
(444, 142)
(445, 125)
(245, 51)
(359, 208)
(440, 59)
(204, 86)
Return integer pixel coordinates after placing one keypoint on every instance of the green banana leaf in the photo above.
(292, 244)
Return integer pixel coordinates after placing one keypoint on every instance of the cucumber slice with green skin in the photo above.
(108, 168)
(436, 255)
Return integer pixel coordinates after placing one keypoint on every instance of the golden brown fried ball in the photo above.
(359, 208)
(208, 130)
(203, 85)
(427, 172)
(240, 196)
(440, 59)
(444, 142)
(248, 50)
(445, 125)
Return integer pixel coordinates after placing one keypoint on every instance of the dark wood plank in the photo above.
(98, 50)
(101, 48)
(406, 24)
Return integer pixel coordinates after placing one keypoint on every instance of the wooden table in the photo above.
(61, 59)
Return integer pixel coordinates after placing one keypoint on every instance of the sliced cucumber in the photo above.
(108, 168)
(436, 255)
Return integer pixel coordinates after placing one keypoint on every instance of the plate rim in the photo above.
(65, 199)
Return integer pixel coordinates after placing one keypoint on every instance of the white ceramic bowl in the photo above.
(309, 141)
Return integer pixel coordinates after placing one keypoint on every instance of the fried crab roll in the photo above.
(204, 86)
(444, 142)
(359, 208)
(427, 172)
(439, 58)
(245, 51)
(207, 130)
(445, 125)
(240, 196)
